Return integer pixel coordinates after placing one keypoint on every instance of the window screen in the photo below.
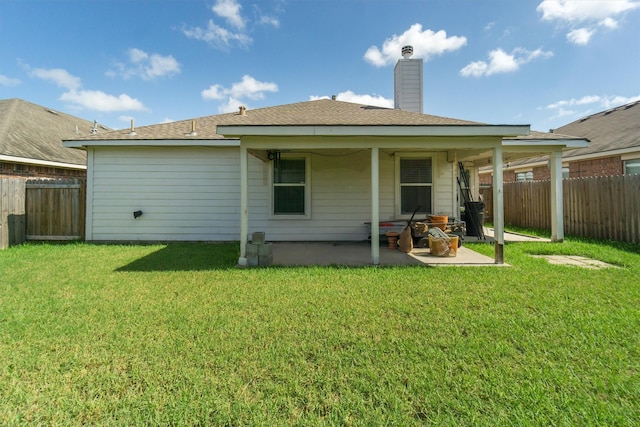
(416, 181)
(289, 187)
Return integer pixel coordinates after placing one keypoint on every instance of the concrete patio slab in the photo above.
(574, 260)
(359, 253)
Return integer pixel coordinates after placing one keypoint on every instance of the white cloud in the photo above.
(588, 14)
(247, 88)
(58, 76)
(8, 81)
(365, 99)
(230, 11)
(609, 23)
(136, 55)
(580, 107)
(269, 20)
(126, 119)
(231, 105)
(89, 99)
(502, 62)
(216, 35)
(584, 11)
(426, 43)
(585, 100)
(580, 36)
(146, 66)
(99, 101)
(614, 101)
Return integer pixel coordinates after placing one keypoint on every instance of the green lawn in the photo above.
(177, 335)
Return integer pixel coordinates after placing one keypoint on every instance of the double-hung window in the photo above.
(291, 187)
(415, 184)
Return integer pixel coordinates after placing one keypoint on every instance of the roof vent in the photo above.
(333, 97)
(132, 132)
(193, 129)
(94, 129)
(243, 110)
(407, 51)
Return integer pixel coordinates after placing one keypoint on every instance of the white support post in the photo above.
(557, 210)
(455, 193)
(375, 206)
(244, 205)
(498, 206)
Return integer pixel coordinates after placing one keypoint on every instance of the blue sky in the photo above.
(544, 63)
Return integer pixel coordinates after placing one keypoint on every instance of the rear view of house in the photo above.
(309, 171)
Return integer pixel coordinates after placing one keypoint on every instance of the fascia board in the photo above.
(154, 143)
(26, 160)
(542, 144)
(436, 130)
(364, 142)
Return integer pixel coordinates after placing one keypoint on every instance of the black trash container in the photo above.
(474, 217)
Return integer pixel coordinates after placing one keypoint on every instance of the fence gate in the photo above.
(54, 209)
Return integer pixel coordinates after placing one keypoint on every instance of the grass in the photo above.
(176, 335)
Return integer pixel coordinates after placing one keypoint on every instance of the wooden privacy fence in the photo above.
(605, 208)
(41, 210)
(12, 217)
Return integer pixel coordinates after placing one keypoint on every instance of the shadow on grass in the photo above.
(188, 257)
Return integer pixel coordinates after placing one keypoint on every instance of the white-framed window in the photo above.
(632, 167)
(524, 176)
(291, 187)
(414, 184)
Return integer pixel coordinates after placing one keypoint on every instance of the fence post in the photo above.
(12, 213)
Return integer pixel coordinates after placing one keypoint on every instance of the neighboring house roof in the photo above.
(611, 132)
(614, 129)
(323, 112)
(33, 134)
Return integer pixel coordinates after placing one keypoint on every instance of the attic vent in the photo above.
(242, 110)
(53, 112)
(631, 105)
(606, 113)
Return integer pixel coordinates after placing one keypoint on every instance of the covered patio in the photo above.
(355, 254)
(379, 180)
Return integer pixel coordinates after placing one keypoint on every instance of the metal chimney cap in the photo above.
(407, 51)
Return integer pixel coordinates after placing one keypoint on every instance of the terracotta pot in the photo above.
(392, 239)
(439, 221)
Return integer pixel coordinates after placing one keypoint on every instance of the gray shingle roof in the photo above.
(321, 112)
(614, 129)
(34, 132)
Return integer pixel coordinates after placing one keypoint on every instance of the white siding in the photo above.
(193, 194)
(184, 193)
(408, 85)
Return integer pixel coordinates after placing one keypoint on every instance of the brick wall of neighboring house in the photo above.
(605, 166)
(541, 173)
(35, 171)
